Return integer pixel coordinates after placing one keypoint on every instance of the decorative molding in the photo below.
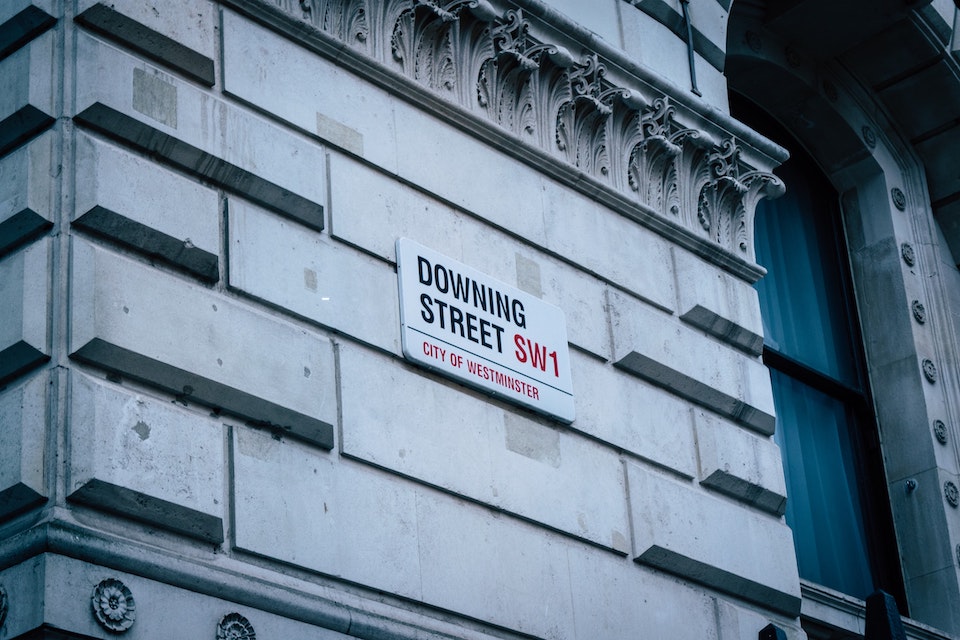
(899, 199)
(631, 141)
(113, 605)
(940, 431)
(908, 254)
(919, 311)
(929, 370)
(951, 493)
(234, 626)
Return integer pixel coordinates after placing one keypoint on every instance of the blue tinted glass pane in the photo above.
(823, 504)
(801, 297)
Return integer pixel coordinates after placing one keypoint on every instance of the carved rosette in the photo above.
(629, 139)
(113, 605)
(234, 626)
(940, 431)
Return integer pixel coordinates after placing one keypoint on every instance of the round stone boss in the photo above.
(940, 430)
(113, 605)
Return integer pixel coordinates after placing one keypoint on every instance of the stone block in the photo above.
(135, 321)
(734, 621)
(371, 210)
(151, 210)
(23, 432)
(633, 415)
(631, 601)
(740, 464)
(600, 16)
(469, 173)
(665, 352)
(27, 100)
(432, 431)
(305, 272)
(27, 191)
(328, 103)
(23, 20)
(495, 568)
(145, 459)
(181, 36)
(920, 518)
(926, 593)
(28, 578)
(610, 245)
(720, 304)
(708, 540)
(336, 518)
(178, 123)
(25, 300)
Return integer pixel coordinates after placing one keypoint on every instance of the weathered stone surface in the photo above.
(445, 437)
(23, 428)
(145, 459)
(675, 529)
(132, 320)
(659, 349)
(25, 301)
(337, 518)
(26, 103)
(27, 191)
(718, 303)
(304, 272)
(609, 245)
(330, 103)
(633, 415)
(198, 133)
(370, 210)
(151, 210)
(180, 36)
(23, 20)
(739, 463)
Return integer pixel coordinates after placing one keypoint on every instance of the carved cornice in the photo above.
(637, 149)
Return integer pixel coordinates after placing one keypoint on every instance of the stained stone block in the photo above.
(23, 432)
(25, 300)
(135, 321)
(26, 102)
(302, 271)
(740, 464)
(23, 20)
(145, 459)
(659, 349)
(723, 306)
(447, 438)
(180, 36)
(329, 103)
(27, 191)
(151, 210)
(633, 415)
(676, 529)
(338, 518)
(196, 132)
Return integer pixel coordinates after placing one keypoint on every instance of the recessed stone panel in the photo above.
(657, 348)
(684, 531)
(145, 459)
(151, 210)
(25, 301)
(180, 36)
(23, 433)
(135, 321)
(26, 102)
(138, 104)
(305, 272)
(740, 464)
(27, 191)
(444, 436)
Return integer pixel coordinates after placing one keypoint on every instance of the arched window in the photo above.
(837, 502)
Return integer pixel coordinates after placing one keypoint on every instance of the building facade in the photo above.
(428, 319)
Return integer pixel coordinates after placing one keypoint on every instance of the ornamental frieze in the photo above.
(630, 139)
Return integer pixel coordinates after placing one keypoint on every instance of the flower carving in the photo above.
(113, 605)
(234, 626)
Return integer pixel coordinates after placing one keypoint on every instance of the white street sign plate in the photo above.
(483, 332)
